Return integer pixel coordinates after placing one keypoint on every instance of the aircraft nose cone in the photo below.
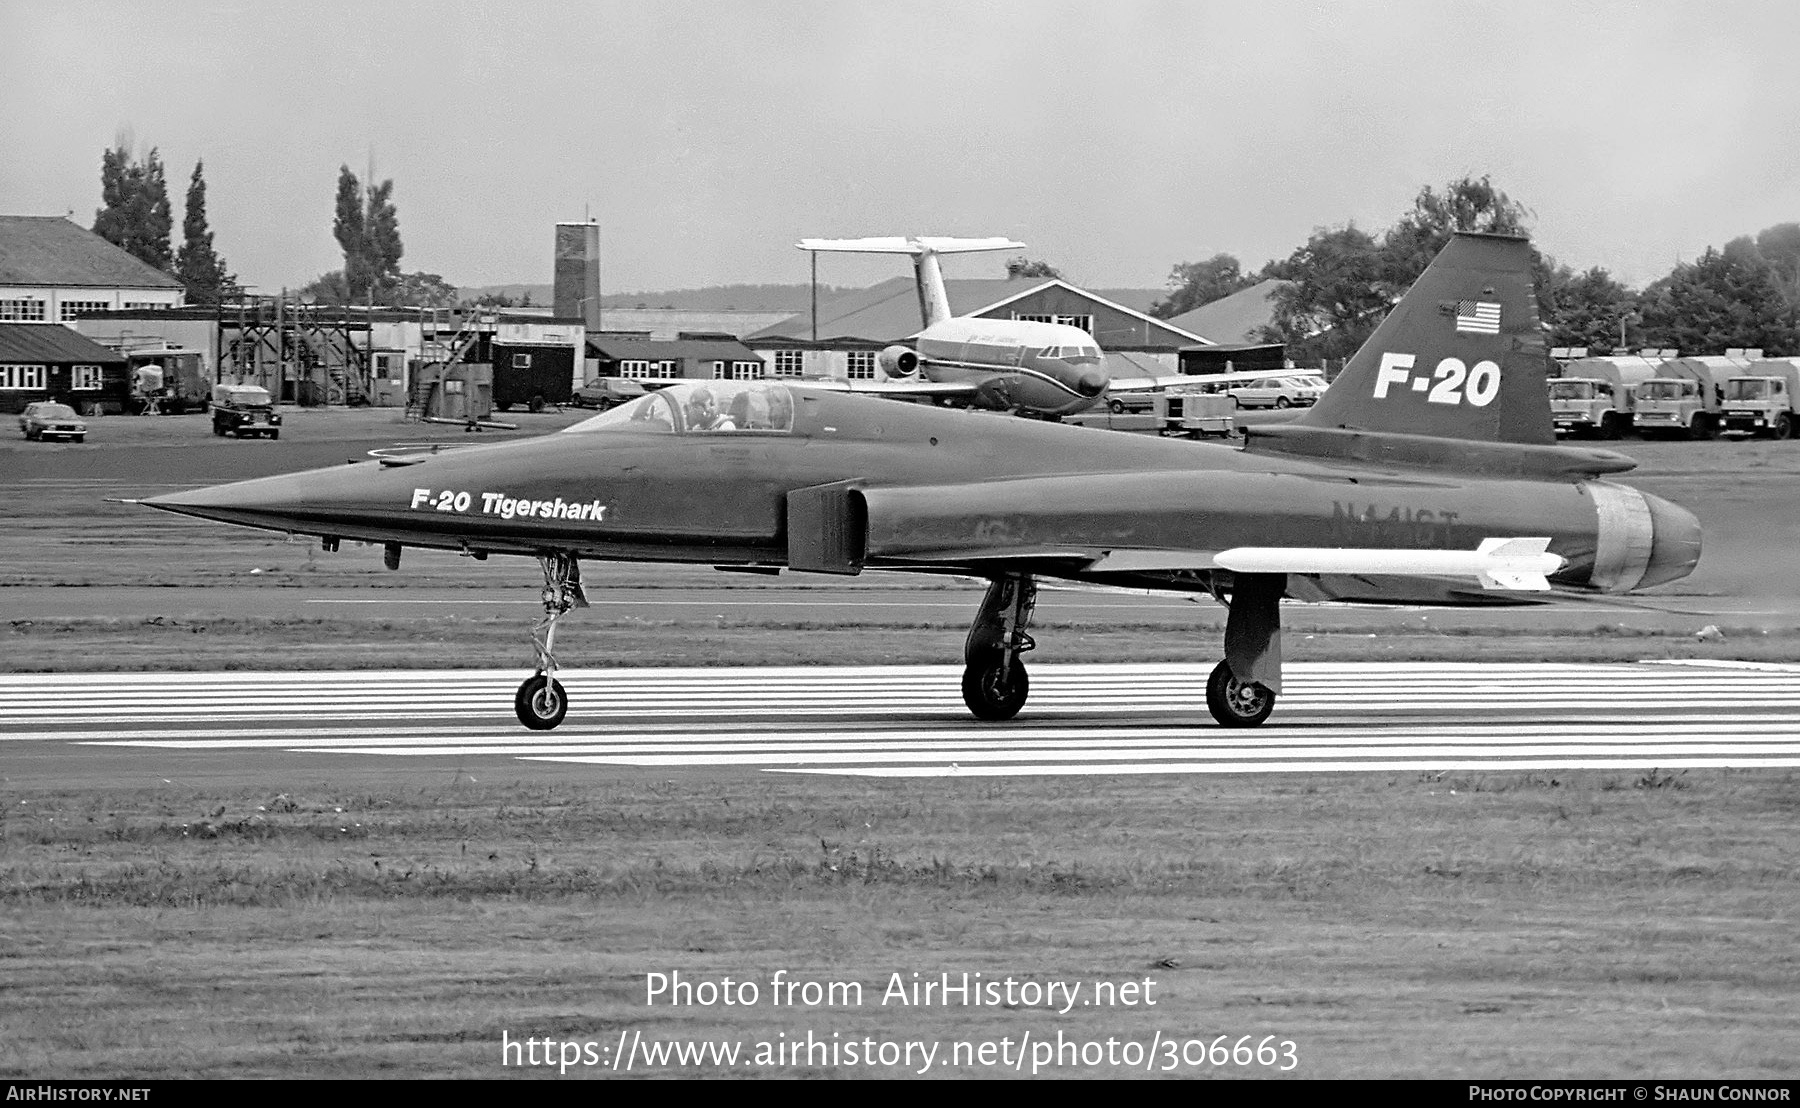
(1091, 383)
(1674, 543)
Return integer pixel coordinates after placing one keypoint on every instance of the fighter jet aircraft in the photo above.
(1016, 365)
(1428, 473)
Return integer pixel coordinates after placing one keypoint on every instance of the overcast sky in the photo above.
(1115, 137)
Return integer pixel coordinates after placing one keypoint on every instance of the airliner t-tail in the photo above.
(1017, 365)
(1428, 473)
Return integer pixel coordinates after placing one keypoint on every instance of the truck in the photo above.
(1593, 396)
(1683, 398)
(1195, 413)
(167, 379)
(1764, 400)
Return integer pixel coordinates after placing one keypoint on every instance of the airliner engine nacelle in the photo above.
(898, 361)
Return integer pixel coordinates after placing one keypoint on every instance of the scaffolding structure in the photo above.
(307, 354)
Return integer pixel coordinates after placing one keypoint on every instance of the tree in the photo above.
(367, 228)
(384, 235)
(423, 290)
(1335, 293)
(1780, 247)
(1589, 309)
(1726, 299)
(408, 290)
(1022, 266)
(135, 216)
(198, 264)
(349, 228)
(1467, 204)
(1192, 284)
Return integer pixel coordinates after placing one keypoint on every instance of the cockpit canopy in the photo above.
(1077, 354)
(692, 407)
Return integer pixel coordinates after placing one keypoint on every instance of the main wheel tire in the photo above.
(1235, 703)
(1784, 426)
(1117, 407)
(541, 704)
(1282, 402)
(537, 404)
(989, 697)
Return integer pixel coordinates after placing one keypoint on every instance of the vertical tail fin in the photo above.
(1461, 356)
(934, 303)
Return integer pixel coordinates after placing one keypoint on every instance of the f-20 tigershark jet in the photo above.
(1015, 365)
(1428, 473)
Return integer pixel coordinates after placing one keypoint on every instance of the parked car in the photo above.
(244, 410)
(604, 392)
(1277, 392)
(1138, 400)
(47, 419)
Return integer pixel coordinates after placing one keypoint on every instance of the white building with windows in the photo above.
(52, 271)
(636, 355)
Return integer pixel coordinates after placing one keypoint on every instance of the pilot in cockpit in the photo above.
(703, 413)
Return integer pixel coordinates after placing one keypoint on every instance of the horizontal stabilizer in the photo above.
(909, 245)
(1520, 564)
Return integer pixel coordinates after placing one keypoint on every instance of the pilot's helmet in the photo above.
(702, 403)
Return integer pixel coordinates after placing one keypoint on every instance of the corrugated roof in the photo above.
(890, 310)
(49, 250)
(51, 342)
(1237, 318)
(614, 348)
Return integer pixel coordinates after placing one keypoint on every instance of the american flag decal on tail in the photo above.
(1478, 317)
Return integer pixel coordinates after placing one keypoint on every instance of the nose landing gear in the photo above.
(995, 684)
(541, 702)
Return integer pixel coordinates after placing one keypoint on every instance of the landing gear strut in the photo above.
(995, 683)
(541, 702)
(1241, 690)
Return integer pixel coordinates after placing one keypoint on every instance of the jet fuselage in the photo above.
(948, 489)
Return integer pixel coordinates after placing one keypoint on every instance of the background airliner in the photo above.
(1040, 369)
(1045, 369)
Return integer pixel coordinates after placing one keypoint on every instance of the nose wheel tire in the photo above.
(541, 702)
(991, 697)
(1236, 703)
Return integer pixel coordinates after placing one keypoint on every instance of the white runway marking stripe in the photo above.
(1144, 719)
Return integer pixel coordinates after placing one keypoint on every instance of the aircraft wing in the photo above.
(899, 389)
(897, 245)
(1147, 384)
(1504, 564)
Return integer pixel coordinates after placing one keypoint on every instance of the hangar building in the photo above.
(853, 327)
(52, 271)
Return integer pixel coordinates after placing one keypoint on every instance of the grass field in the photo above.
(1418, 925)
(350, 918)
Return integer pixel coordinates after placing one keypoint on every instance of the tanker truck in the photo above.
(1764, 400)
(1593, 396)
(1682, 400)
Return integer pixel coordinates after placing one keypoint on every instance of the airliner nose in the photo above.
(1091, 383)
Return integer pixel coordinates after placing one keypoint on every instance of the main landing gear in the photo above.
(541, 702)
(1240, 692)
(995, 683)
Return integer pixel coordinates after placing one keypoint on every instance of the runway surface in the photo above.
(909, 721)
